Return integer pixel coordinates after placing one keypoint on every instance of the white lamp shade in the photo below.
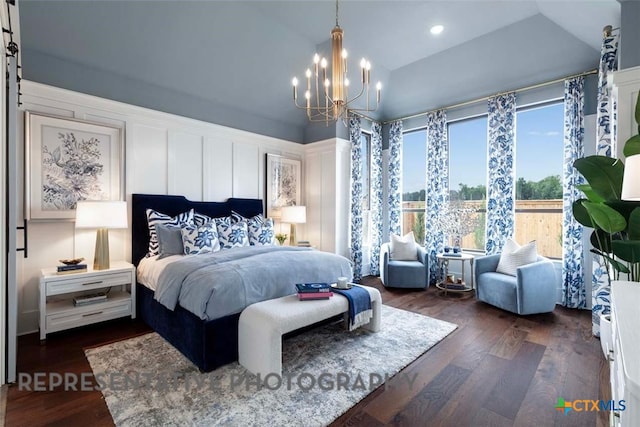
(631, 180)
(101, 214)
(294, 214)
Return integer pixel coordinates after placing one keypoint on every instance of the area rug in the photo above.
(147, 382)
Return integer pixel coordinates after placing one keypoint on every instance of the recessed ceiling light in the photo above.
(437, 29)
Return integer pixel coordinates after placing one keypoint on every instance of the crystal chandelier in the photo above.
(327, 100)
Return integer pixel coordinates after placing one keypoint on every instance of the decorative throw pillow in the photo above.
(261, 233)
(232, 235)
(513, 256)
(200, 240)
(404, 248)
(154, 218)
(201, 219)
(169, 240)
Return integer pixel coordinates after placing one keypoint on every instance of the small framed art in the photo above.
(283, 183)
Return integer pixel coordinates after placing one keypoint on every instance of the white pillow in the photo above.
(513, 256)
(404, 248)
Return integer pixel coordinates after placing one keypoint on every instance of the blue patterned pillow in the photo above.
(200, 240)
(201, 219)
(261, 233)
(154, 218)
(232, 235)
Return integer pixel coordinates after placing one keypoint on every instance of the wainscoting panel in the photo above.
(149, 164)
(246, 170)
(217, 169)
(185, 165)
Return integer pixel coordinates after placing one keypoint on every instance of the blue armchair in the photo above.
(404, 274)
(532, 290)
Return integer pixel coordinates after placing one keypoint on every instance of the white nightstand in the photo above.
(57, 311)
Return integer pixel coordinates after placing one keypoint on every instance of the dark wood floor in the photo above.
(496, 369)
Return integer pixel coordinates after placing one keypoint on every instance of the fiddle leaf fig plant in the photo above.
(615, 222)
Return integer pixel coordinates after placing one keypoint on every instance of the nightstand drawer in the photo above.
(68, 284)
(93, 313)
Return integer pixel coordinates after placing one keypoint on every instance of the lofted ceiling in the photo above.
(237, 58)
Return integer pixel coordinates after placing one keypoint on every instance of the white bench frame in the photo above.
(262, 325)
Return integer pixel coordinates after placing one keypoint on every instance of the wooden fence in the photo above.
(535, 221)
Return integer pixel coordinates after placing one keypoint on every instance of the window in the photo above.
(538, 166)
(468, 177)
(414, 182)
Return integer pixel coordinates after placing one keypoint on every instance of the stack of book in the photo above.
(89, 299)
(304, 244)
(307, 291)
(456, 286)
(72, 268)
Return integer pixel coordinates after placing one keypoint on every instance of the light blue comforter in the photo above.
(222, 283)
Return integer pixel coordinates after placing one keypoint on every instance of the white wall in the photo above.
(164, 154)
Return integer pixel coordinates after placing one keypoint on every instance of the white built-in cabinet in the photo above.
(327, 177)
(624, 356)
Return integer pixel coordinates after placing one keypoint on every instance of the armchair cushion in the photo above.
(513, 256)
(404, 248)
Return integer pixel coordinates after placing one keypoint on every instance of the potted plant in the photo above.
(615, 222)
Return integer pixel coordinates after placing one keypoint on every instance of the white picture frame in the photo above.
(283, 182)
(69, 160)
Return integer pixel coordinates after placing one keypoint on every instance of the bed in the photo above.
(208, 341)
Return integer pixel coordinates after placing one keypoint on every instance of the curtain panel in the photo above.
(573, 285)
(375, 198)
(355, 224)
(501, 174)
(437, 197)
(605, 146)
(606, 113)
(395, 178)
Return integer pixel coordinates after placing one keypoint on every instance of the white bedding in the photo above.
(149, 269)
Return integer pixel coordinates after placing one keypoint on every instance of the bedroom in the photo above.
(190, 118)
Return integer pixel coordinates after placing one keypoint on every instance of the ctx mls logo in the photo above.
(588, 405)
(563, 406)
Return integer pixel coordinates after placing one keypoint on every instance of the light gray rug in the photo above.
(147, 382)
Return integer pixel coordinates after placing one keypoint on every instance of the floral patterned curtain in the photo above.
(606, 113)
(395, 177)
(355, 226)
(501, 174)
(573, 286)
(605, 146)
(437, 186)
(375, 198)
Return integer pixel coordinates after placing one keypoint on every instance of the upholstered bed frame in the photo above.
(208, 344)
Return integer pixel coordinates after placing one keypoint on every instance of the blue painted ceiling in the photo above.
(231, 62)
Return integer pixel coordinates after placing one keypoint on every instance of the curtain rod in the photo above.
(485, 98)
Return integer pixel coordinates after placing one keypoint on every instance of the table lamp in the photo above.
(102, 215)
(293, 215)
(631, 179)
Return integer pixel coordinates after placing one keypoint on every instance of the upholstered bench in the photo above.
(262, 325)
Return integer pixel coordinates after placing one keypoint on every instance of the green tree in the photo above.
(418, 228)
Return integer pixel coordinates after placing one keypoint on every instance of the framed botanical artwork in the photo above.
(69, 160)
(283, 183)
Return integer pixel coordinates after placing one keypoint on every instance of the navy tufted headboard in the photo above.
(173, 205)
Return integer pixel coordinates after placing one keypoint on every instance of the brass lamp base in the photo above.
(292, 237)
(101, 258)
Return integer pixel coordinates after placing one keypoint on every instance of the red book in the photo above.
(314, 295)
